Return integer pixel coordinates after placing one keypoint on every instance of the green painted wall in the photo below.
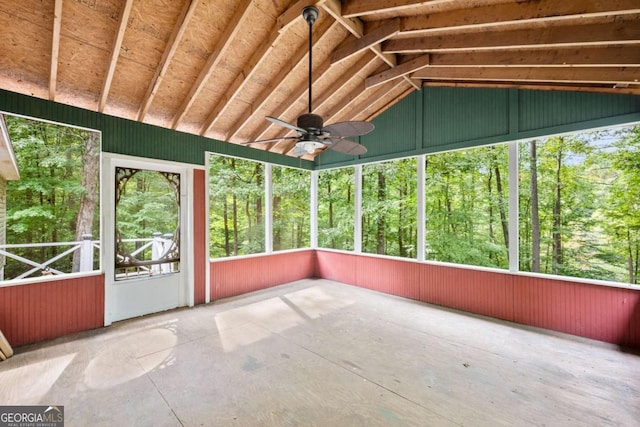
(133, 138)
(441, 118)
(427, 121)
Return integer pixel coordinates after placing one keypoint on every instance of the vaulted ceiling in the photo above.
(217, 67)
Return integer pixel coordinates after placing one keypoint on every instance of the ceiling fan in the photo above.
(312, 134)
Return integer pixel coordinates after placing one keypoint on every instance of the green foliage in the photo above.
(465, 208)
(42, 206)
(147, 205)
(336, 208)
(236, 199)
(389, 209)
(592, 177)
(291, 201)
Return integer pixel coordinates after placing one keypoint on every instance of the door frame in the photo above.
(109, 161)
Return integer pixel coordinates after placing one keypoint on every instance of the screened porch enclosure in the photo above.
(305, 219)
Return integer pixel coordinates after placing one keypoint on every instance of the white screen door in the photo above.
(146, 260)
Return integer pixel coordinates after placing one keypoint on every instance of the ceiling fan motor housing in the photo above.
(312, 123)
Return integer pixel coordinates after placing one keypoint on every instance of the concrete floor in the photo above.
(319, 353)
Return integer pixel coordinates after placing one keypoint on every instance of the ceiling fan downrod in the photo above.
(310, 14)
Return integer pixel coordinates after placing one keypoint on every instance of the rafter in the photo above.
(322, 30)
(619, 56)
(115, 53)
(630, 89)
(624, 30)
(610, 75)
(398, 71)
(355, 27)
(515, 13)
(219, 51)
(294, 12)
(55, 49)
(243, 77)
(375, 37)
(172, 45)
(352, 8)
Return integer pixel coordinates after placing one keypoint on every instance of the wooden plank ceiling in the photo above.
(217, 67)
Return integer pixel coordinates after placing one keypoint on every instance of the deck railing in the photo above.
(86, 247)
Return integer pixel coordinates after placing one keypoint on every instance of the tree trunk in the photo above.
(225, 217)
(258, 172)
(382, 190)
(234, 210)
(89, 201)
(535, 218)
(277, 235)
(490, 189)
(333, 239)
(501, 207)
(557, 217)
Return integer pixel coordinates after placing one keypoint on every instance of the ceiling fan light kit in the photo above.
(312, 134)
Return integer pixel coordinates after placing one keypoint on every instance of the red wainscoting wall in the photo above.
(235, 276)
(53, 308)
(49, 309)
(603, 313)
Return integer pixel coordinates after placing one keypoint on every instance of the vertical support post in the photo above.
(313, 202)
(357, 217)
(268, 209)
(86, 253)
(421, 161)
(156, 250)
(167, 240)
(514, 210)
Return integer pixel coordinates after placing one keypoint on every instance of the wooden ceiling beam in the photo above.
(283, 22)
(172, 45)
(618, 56)
(398, 71)
(55, 49)
(219, 51)
(294, 12)
(241, 79)
(367, 60)
(322, 30)
(625, 30)
(630, 90)
(115, 53)
(515, 13)
(355, 27)
(372, 38)
(586, 75)
(353, 8)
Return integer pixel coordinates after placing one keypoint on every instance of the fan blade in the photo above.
(347, 146)
(262, 141)
(349, 129)
(285, 124)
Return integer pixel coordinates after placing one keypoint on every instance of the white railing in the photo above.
(159, 244)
